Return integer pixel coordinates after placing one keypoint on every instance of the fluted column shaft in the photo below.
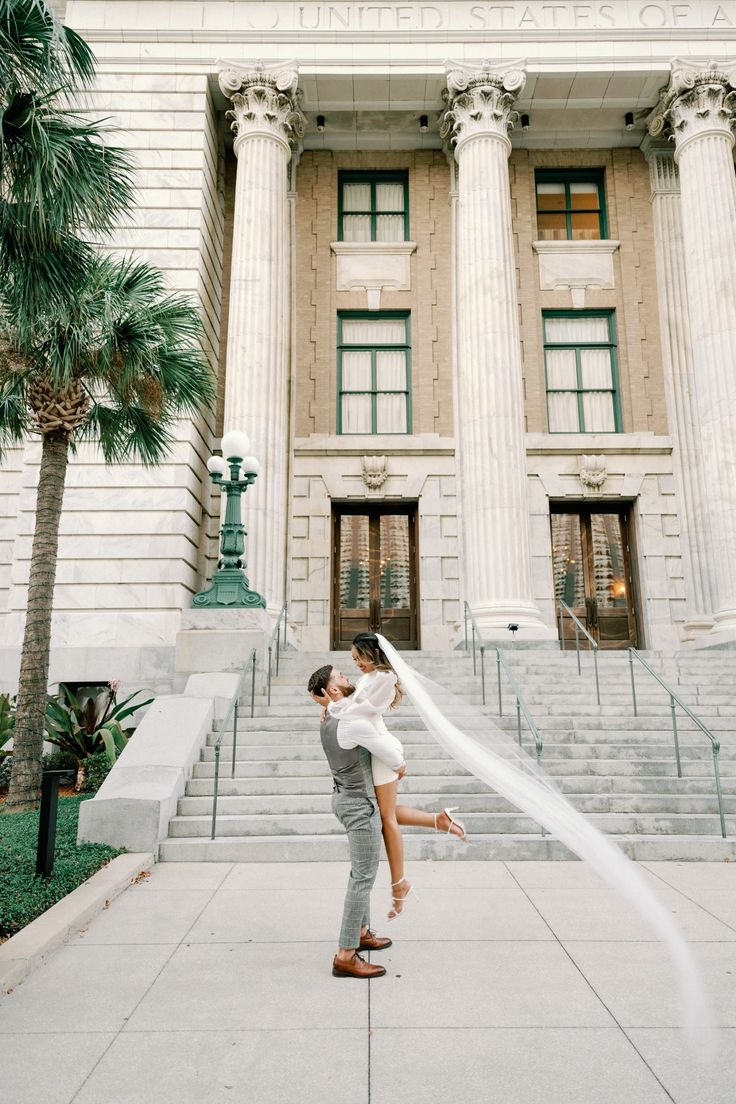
(699, 107)
(489, 408)
(674, 312)
(266, 121)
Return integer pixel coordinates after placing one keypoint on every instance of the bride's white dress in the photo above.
(361, 722)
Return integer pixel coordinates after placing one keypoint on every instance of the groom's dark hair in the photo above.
(318, 679)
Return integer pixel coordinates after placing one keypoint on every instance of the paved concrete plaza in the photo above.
(513, 982)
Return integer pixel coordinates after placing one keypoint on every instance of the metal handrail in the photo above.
(675, 700)
(233, 709)
(594, 643)
(521, 706)
(468, 613)
(277, 635)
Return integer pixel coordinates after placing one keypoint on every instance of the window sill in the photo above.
(576, 266)
(373, 267)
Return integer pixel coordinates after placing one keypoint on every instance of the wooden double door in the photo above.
(375, 573)
(591, 556)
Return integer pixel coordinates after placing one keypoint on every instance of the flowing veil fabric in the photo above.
(496, 759)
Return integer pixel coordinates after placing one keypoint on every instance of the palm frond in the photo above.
(15, 422)
(38, 281)
(58, 172)
(128, 433)
(38, 51)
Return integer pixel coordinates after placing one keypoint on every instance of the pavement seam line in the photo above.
(175, 948)
(598, 997)
(731, 927)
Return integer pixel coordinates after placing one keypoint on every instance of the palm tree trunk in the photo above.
(25, 780)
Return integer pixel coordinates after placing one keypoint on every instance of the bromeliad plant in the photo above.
(7, 723)
(90, 721)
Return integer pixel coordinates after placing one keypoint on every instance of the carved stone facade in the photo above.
(240, 199)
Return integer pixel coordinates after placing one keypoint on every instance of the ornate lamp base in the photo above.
(228, 589)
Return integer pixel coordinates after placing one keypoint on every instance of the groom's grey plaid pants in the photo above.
(361, 820)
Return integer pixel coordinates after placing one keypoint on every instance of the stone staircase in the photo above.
(616, 768)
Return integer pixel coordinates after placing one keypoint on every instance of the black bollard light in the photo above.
(47, 820)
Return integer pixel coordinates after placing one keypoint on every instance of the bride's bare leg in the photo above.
(394, 843)
(405, 814)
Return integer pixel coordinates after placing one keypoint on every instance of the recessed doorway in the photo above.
(591, 557)
(375, 573)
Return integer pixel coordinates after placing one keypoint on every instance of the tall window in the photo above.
(580, 364)
(373, 366)
(373, 206)
(570, 205)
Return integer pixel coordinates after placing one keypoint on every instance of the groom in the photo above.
(354, 805)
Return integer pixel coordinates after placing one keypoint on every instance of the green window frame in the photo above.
(567, 177)
(374, 349)
(374, 178)
(580, 390)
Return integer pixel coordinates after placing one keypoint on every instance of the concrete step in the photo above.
(477, 823)
(278, 805)
(460, 783)
(282, 762)
(511, 847)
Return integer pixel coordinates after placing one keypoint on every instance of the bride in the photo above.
(377, 691)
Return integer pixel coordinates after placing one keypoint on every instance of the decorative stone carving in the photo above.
(593, 473)
(698, 101)
(480, 100)
(375, 472)
(265, 101)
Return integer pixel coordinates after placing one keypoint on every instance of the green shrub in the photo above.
(23, 896)
(6, 765)
(96, 768)
(59, 760)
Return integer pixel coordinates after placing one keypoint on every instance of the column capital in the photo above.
(664, 179)
(699, 100)
(265, 101)
(480, 100)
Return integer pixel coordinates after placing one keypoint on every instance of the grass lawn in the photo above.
(23, 896)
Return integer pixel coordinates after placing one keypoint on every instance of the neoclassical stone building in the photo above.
(468, 275)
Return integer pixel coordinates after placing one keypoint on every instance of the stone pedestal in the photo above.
(220, 640)
(489, 408)
(698, 106)
(267, 124)
(680, 382)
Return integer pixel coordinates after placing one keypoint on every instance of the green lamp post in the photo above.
(234, 471)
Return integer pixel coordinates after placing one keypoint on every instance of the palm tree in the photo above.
(118, 363)
(59, 179)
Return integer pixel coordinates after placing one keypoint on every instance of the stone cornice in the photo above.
(699, 100)
(265, 101)
(480, 100)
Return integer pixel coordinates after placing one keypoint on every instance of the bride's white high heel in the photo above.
(457, 823)
(393, 914)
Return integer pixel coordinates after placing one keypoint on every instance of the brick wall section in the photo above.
(317, 302)
(634, 298)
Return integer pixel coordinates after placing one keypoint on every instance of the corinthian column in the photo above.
(679, 377)
(698, 105)
(489, 411)
(267, 123)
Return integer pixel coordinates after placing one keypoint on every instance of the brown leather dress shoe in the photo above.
(372, 942)
(357, 967)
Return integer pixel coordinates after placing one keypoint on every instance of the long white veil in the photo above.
(505, 767)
